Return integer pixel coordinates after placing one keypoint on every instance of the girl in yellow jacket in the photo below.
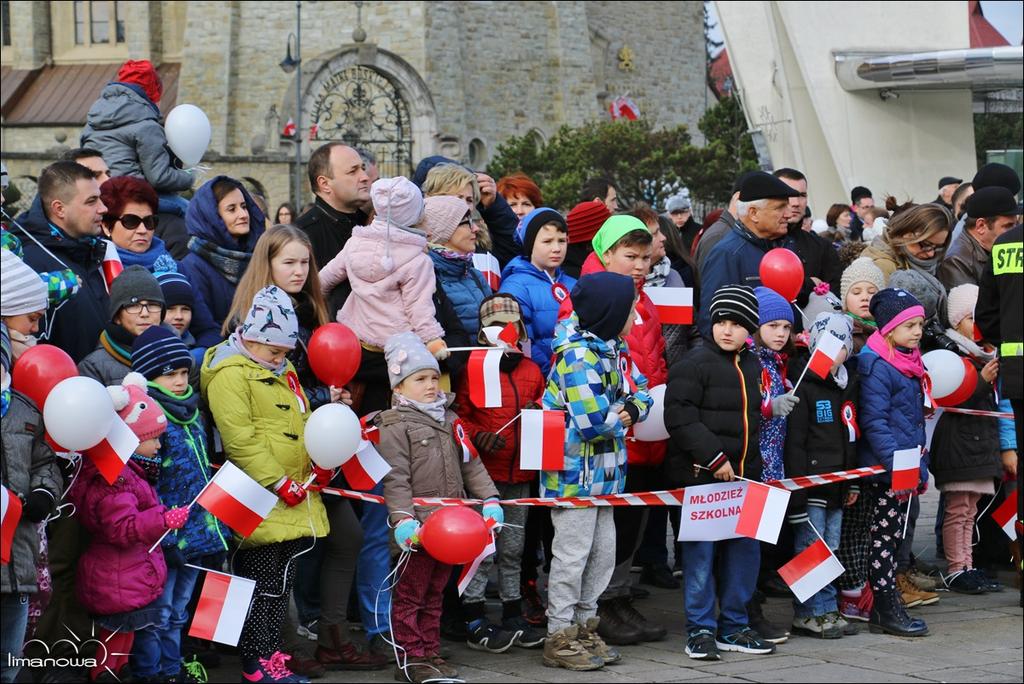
(260, 410)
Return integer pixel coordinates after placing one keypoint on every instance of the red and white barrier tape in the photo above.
(807, 481)
(976, 412)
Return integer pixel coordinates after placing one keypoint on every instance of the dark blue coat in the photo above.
(464, 288)
(890, 413)
(214, 292)
(532, 287)
(735, 260)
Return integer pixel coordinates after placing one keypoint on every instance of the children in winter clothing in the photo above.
(891, 419)
(602, 394)
(162, 358)
(392, 277)
(29, 472)
(260, 410)
(860, 281)
(420, 437)
(521, 387)
(713, 415)
(537, 280)
(119, 581)
(775, 318)
(821, 437)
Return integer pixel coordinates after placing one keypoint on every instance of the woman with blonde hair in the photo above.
(915, 239)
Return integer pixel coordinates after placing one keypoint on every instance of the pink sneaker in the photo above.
(272, 669)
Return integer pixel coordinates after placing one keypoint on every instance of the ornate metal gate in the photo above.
(361, 107)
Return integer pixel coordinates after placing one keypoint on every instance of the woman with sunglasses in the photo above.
(915, 239)
(131, 222)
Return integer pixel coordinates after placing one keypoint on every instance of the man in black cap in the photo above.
(990, 212)
(860, 201)
(947, 186)
(736, 259)
(990, 175)
(720, 228)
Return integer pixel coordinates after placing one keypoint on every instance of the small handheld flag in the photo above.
(812, 569)
(763, 512)
(237, 500)
(542, 440)
(674, 304)
(223, 607)
(906, 465)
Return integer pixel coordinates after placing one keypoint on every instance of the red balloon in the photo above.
(39, 369)
(334, 354)
(782, 271)
(455, 535)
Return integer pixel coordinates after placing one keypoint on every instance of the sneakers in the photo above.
(563, 649)
(484, 636)
(272, 669)
(847, 628)
(308, 630)
(591, 640)
(989, 583)
(529, 636)
(912, 596)
(701, 646)
(963, 582)
(192, 672)
(857, 608)
(533, 605)
(760, 624)
(744, 641)
(924, 582)
(817, 626)
(659, 576)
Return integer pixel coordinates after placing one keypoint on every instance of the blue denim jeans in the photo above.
(373, 567)
(829, 523)
(13, 621)
(732, 581)
(157, 649)
(306, 590)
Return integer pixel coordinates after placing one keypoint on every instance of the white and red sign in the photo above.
(366, 467)
(811, 570)
(764, 512)
(542, 440)
(111, 455)
(488, 265)
(237, 500)
(674, 304)
(10, 514)
(906, 469)
(223, 607)
(1006, 515)
(484, 378)
(112, 265)
(825, 354)
(710, 511)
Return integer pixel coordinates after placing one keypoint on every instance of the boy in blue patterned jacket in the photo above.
(587, 381)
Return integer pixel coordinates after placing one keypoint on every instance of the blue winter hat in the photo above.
(530, 225)
(771, 306)
(602, 302)
(176, 288)
(892, 306)
(158, 351)
(271, 319)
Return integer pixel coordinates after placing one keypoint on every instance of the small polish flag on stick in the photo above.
(236, 499)
(10, 514)
(484, 377)
(468, 571)
(488, 265)
(223, 607)
(112, 265)
(542, 440)
(674, 304)
(111, 455)
(812, 569)
(906, 469)
(763, 512)
(825, 354)
(366, 467)
(1005, 516)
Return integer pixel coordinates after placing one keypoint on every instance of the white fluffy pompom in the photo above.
(119, 395)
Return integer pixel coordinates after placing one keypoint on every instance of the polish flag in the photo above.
(542, 440)
(488, 265)
(906, 469)
(469, 451)
(825, 354)
(112, 265)
(624, 108)
(763, 512)
(10, 514)
(111, 455)
(289, 129)
(469, 570)
(811, 570)
(674, 304)
(484, 377)
(1005, 516)
(366, 467)
(222, 608)
(236, 499)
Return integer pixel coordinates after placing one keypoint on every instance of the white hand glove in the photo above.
(784, 404)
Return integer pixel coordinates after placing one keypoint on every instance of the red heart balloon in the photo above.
(334, 354)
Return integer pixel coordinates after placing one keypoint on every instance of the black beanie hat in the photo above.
(536, 220)
(996, 174)
(603, 301)
(736, 303)
(133, 285)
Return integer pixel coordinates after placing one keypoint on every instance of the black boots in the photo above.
(890, 616)
(621, 624)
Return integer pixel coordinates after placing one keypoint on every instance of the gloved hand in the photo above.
(38, 505)
(175, 518)
(290, 491)
(784, 404)
(323, 476)
(488, 442)
(407, 533)
(493, 511)
(438, 348)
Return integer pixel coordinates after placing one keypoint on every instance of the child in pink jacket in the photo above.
(391, 275)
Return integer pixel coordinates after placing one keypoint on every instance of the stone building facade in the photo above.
(453, 78)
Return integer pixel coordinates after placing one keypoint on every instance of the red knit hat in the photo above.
(141, 73)
(585, 219)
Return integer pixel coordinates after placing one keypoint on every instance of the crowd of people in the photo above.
(203, 337)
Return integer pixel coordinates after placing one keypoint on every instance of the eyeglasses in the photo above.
(131, 221)
(926, 247)
(150, 307)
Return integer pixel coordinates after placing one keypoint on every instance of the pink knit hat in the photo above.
(142, 413)
(441, 217)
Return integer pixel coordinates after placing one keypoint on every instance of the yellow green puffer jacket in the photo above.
(261, 428)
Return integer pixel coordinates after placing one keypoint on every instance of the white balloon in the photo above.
(78, 413)
(188, 133)
(946, 370)
(332, 435)
(653, 428)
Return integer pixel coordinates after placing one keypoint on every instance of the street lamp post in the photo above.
(288, 65)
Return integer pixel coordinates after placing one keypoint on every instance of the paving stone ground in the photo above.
(973, 639)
